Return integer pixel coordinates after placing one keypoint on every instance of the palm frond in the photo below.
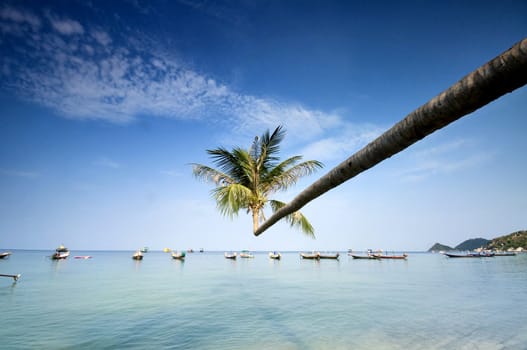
(245, 178)
(209, 174)
(244, 169)
(230, 199)
(281, 177)
(296, 219)
(269, 146)
(235, 164)
(273, 142)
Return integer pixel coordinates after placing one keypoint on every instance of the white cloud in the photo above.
(174, 173)
(66, 26)
(19, 173)
(10, 14)
(443, 159)
(89, 76)
(101, 37)
(107, 163)
(348, 139)
(443, 148)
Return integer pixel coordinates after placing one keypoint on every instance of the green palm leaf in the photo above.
(245, 178)
(296, 219)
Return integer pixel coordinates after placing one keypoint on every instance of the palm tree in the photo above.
(505, 73)
(246, 178)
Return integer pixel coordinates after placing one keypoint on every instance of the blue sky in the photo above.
(104, 104)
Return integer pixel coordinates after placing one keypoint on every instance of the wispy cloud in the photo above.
(349, 140)
(174, 173)
(65, 26)
(9, 14)
(107, 163)
(443, 159)
(224, 11)
(442, 148)
(80, 71)
(19, 173)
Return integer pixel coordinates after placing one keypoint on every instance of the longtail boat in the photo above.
(178, 255)
(60, 253)
(328, 256)
(367, 257)
(231, 255)
(275, 255)
(380, 256)
(470, 255)
(4, 255)
(246, 254)
(312, 256)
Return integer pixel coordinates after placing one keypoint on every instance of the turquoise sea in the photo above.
(208, 302)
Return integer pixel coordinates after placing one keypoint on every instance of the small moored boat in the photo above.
(504, 254)
(144, 250)
(230, 255)
(137, 255)
(60, 253)
(334, 256)
(14, 277)
(470, 255)
(275, 255)
(246, 254)
(311, 256)
(178, 255)
(401, 257)
(367, 257)
(4, 255)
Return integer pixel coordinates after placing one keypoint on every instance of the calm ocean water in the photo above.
(209, 302)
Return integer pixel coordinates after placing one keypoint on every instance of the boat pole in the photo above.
(15, 277)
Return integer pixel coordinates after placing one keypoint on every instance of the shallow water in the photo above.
(209, 302)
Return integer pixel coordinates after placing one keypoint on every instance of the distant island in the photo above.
(514, 241)
(438, 247)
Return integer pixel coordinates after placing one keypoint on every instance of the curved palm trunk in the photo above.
(255, 220)
(494, 79)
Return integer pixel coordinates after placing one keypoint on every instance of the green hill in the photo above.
(514, 240)
(440, 247)
(473, 243)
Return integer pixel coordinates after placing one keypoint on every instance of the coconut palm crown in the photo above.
(246, 178)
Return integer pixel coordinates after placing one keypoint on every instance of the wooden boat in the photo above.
(368, 257)
(328, 256)
(275, 255)
(4, 255)
(312, 256)
(504, 254)
(380, 256)
(470, 255)
(138, 255)
(14, 277)
(230, 255)
(60, 256)
(178, 255)
(246, 254)
(60, 253)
